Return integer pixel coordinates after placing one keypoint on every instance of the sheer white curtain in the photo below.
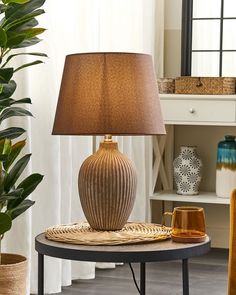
(77, 26)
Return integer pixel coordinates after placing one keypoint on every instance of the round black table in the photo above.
(140, 253)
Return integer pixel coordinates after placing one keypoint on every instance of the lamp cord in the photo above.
(133, 275)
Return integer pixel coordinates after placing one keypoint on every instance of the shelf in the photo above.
(198, 96)
(203, 197)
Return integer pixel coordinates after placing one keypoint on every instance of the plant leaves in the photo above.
(13, 112)
(3, 37)
(16, 1)
(15, 172)
(12, 24)
(7, 89)
(3, 8)
(19, 101)
(14, 39)
(15, 151)
(30, 33)
(3, 158)
(16, 11)
(26, 204)
(4, 103)
(13, 195)
(5, 223)
(7, 147)
(5, 75)
(6, 198)
(24, 53)
(29, 184)
(27, 25)
(28, 42)
(36, 62)
(11, 133)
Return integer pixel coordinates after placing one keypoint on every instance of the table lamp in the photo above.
(108, 94)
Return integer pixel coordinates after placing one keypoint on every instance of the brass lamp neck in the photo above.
(108, 138)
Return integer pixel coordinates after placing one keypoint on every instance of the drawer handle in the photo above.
(191, 110)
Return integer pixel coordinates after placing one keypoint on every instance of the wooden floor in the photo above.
(208, 276)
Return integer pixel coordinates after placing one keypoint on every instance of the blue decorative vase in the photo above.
(226, 167)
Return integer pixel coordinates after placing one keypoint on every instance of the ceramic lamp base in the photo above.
(107, 187)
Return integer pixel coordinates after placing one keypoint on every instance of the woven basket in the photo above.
(204, 85)
(166, 85)
(13, 272)
(82, 234)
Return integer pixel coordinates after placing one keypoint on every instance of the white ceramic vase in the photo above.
(187, 171)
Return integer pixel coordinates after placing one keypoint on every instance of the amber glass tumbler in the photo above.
(188, 224)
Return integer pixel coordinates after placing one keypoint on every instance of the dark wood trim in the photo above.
(186, 37)
(221, 37)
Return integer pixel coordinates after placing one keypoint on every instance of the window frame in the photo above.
(186, 37)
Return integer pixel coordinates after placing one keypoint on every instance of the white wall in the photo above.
(172, 38)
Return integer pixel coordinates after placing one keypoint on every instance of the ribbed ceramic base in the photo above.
(107, 188)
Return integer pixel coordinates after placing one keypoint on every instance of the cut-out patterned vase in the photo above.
(226, 167)
(187, 171)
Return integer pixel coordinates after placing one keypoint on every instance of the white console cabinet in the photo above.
(200, 120)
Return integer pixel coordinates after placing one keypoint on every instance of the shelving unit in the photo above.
(191, 114)
(203, 197)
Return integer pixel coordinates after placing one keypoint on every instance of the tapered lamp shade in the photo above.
(108, 93)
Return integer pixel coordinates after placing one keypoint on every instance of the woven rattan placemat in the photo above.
(132, 233)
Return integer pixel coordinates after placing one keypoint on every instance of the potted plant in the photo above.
(18, 29)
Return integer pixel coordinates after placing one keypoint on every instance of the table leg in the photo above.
(40, 274)
(185, 277)
(142, 278)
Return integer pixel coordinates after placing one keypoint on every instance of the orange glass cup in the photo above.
(188, 224)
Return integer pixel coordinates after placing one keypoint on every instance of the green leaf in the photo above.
(2, 141)
(27, 25)
(15, 151)
(28, 42)
(10, 197)
(26, 204)
(14, 112)
(36, 62)
(14, 39)
(6, 198)
(19, 101)
(5, 147)
(24, 53)
(5, 75)
(3, 37)
(15, 172)
(29, 184)
(11, 133)
(30, 33)
(16, 1)
(3, 8)
(3, 158)
(5, 223)
(12, 24)
(7, 89)
(4, 103)
(16, 11)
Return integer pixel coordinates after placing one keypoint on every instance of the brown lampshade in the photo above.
(108, 93)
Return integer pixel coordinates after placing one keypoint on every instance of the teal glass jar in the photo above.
(226, 167)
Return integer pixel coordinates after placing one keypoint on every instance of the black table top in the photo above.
(147, 252)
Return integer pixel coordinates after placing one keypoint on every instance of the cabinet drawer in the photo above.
(198, 110)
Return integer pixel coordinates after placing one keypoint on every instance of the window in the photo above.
(209, 38)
